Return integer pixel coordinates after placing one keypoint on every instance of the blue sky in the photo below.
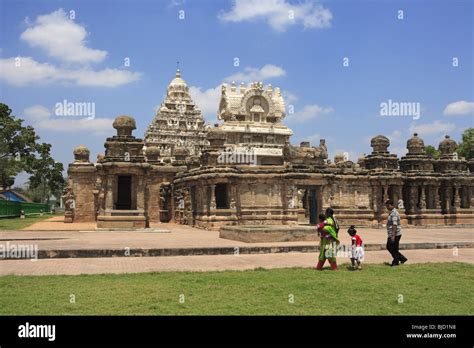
(82, 60)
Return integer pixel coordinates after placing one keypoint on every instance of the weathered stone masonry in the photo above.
(245, 172)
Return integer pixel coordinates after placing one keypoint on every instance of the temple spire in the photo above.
(178, 73)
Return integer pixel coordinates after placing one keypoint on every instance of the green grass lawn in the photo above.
(17, 223)
(436, 289)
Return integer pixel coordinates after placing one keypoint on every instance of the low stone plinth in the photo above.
(462, 217)
(108, 222)
(268, 233)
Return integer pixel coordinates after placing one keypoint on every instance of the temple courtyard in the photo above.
(80, 249)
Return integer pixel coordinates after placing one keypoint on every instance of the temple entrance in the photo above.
(222, 201)
(312, 207)
(309, 204)
(124, 192)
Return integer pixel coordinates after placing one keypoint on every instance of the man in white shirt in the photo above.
(394, 233)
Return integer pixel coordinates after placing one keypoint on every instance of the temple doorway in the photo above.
(222, 201)
(312, 207)
(124, 192)
(309, 204)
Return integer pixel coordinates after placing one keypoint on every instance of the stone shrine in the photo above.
(244, 178)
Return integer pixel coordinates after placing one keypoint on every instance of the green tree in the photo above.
(47, 174)
(432, 151)
(466, 146)
(17, 146)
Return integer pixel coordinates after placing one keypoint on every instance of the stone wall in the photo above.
(82, 180)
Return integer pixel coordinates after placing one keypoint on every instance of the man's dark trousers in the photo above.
(392, 248)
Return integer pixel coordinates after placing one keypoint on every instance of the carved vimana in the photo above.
(177, 124)
(253, 121)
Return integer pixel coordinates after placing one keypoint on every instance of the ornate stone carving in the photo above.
(177, 123)
(449, 161)
(380, 159)
(69, 204)
(165, 195)
(423, 198)
(416, 159)
(415, 145)
(124, 125)
(380, 144)
(81, 154)
(152, 154)
(305, 154)
(447, 147)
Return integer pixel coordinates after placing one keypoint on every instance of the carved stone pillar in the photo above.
(213, 197)
(375, 201)
(385, 194)
(140, 193)
(447, 198)
(437, 199)
(423, 197)
(205, 202)
(457, 197)
(413, 198)
(232, 194)
(109, 196)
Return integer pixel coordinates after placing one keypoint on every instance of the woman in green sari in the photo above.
(328, 244)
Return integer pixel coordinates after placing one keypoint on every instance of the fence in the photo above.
(12, 209)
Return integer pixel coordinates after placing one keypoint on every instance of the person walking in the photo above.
(331, 219)
(327, 245)
(394, 233)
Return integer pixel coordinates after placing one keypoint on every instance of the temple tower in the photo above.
(178, 123)
(252, 121)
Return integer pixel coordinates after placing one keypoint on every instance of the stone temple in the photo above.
(244, 178)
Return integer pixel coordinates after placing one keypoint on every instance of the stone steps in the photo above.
(142, 252)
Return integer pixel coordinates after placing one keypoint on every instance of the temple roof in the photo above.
(178, 81)
(178, 121)
(249, 99)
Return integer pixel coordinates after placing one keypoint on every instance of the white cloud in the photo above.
(37, 112)
(96, 126)
(395, 136)
(207, 101)
(41, 118)
(461, 107)
(398, 150)
(279, 14)
(65, 40)
(61, 38)
(313, 139)
(21, 71)
(437, 127)
(309, 112)
(251, 74)
(177, 3)
(289, 97)
(102, 78)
